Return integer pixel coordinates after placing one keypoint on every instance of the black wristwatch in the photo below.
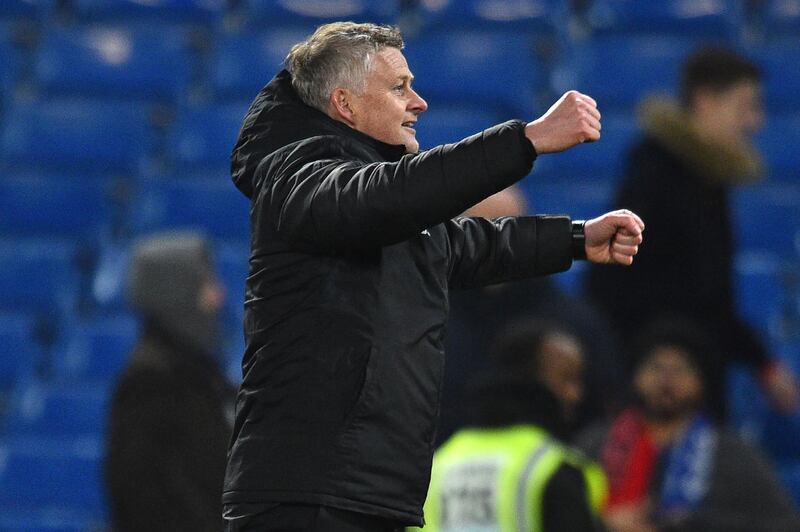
(578, 240)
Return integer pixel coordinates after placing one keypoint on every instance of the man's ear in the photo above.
(340, 106)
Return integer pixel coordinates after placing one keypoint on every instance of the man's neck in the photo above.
(663, 432)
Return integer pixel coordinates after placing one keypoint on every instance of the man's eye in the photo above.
(399, 88)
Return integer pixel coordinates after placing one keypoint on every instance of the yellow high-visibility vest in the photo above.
(493, 480)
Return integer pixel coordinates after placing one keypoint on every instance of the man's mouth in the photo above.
(410, 125)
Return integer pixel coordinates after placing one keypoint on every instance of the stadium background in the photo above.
(117, 118)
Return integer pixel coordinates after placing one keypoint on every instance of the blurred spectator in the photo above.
(479, 315)
(508, 471)
(541, 352)
(669, 468)
(171, 414)
(678, 179)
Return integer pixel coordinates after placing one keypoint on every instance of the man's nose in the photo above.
(417, 104)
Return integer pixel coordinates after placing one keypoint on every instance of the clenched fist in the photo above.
(613, 238)
(573, 119)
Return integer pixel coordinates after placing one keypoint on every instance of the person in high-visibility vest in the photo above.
(509, 472)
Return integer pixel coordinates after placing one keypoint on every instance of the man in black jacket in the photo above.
(353, 253)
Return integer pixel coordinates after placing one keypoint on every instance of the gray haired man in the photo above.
(354, 249)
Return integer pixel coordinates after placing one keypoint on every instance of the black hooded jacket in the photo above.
(353, 254)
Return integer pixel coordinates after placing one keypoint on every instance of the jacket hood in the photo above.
(663, 119)
(166, 274)
(278, 118)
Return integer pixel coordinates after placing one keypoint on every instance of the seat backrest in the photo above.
(203, 137)
(477, 67)
(702, 18)
(241, 64)
(64, 205)
(65, 474)
(114, 62)
(38, 276)
(312, 13)
(618, 71)
(76, 136)
(152, 11)
(19, 352)
(209, 204)
(95, 350)
(51, 410)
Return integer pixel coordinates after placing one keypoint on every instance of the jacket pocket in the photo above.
(365, 399)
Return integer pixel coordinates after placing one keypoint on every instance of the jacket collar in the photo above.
(278, 118)
(717, 163)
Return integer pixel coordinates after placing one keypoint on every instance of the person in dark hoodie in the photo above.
(508, 470)
(172, 409)
(353, 254)
(678, 178)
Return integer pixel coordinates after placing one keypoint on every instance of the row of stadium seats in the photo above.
(501, 67)
(45, 137)
(718, 18)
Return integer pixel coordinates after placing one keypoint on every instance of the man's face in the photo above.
(736, 112)
(561, 371)
(388, 108)
(668, 384)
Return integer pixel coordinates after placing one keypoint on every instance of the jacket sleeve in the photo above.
(565, 505)
(483, 252)
(330, 204)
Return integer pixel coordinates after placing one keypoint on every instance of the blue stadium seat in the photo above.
(315, 12)
(782, 18)
(37, 275)
(109, 277)
(706, 18)
(767, 218)
(37, 473)
(78, 136)
(32, 10)
(747, 406)
(535, 16)
(19, 353)
(641, 65)
(58, 410)
(758, 289)
(210, 204)
(110, 62)
(776, 142)
(49, 520)
(446, 123)
(241, 64)
(54, 205)
(10, 65)
(603, 160)
(203, 137)
(779, 60)
(152, 11)
(95, 350)
(479, 68)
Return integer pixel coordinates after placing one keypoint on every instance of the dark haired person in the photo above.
(669, 467)
(678, 178)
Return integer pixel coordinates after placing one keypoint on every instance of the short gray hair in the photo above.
(339, 54)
